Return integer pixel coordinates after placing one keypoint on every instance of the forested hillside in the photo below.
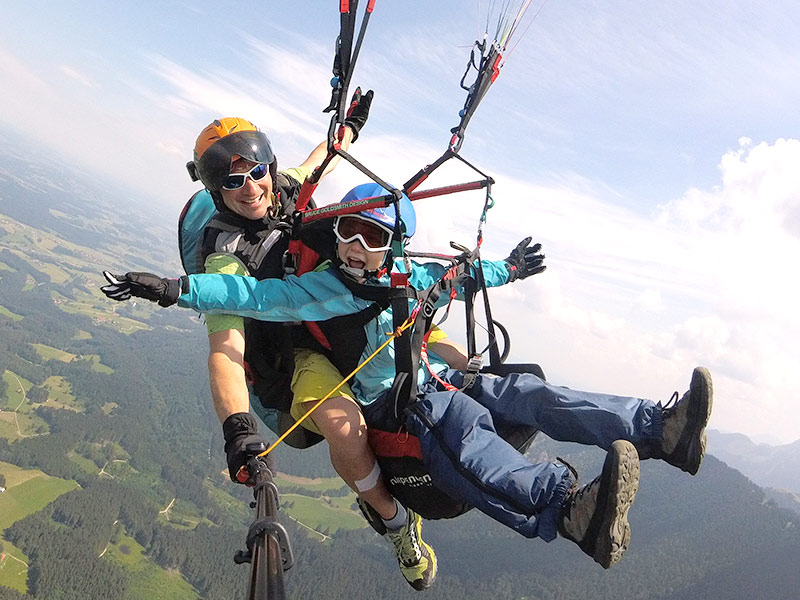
(114, 475)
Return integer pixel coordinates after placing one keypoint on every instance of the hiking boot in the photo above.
(416, 558)
(683, 442)
(596, 516)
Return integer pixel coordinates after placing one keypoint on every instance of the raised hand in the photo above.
(525, 260)
(358, 112)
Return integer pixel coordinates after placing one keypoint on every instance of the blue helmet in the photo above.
(385, 216)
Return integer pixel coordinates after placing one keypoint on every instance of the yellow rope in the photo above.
(395, 334)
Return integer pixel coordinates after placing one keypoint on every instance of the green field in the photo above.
(322, 516)
(17, 388)
(28, 425)
(120, 469)
(183, 515)
(97, 315)
(28, 492)
(323, 484)
(13, 568)
(84, 463)
(97, 366)
(235, 508)
(53, 272)
(5, 267)
(50, 353)
(147, 580)
(11, 315)
(59, 392)
(16, 418)
(8, 427)
(82, 335)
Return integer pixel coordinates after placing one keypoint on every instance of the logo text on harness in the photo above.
(411, 480)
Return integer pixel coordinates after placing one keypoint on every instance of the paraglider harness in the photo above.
(399, 453)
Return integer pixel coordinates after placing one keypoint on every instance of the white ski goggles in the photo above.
(373, 236)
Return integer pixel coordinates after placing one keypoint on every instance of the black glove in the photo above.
(525, 261)
(145, 285)
(243, 442)
(359, 111)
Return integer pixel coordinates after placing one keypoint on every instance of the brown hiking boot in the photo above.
(595, 516)
(683, 442)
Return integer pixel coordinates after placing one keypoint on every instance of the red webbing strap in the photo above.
(314, 330)
(306, 259)
(424, 356)
(448, 189)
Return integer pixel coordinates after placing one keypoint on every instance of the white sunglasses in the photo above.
(234, 181)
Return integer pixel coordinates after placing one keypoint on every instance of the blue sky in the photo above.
(653, 147)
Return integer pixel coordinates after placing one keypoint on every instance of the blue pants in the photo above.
(469, 461)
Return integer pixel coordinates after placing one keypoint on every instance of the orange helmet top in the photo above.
(220, 142)
(218, 130)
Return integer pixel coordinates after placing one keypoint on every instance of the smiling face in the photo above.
(254, 198)
(354, 255)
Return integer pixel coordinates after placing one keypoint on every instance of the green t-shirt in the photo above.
(228, 264)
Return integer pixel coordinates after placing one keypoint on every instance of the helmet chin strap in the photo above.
(355, 273)
(359, 273)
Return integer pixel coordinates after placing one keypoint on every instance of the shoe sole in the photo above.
(694, 440)
(621, 482)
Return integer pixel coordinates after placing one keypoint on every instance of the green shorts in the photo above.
(314, 377)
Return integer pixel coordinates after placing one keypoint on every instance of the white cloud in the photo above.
(25, 83)
(76, 75)
(631, 303)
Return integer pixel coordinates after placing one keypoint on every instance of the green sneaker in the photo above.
(417, 559)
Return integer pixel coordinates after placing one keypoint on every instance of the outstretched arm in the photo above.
(316, 296)
(524, 261)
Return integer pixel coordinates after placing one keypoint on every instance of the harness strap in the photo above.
(424, 356)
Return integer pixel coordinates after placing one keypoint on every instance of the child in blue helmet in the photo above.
(460, 445)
